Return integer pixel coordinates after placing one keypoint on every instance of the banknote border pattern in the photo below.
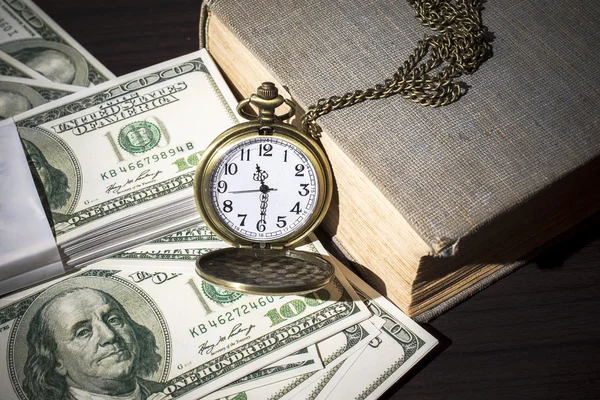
(51, 94)
(176, 255)
(8, 70)
(326, 361)
(98, 98)
(270, 371)
(325, 380)
(173, 238)
(379, 311)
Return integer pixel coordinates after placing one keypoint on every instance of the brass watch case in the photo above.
(248, 130)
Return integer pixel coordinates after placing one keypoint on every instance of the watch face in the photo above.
(264, 188)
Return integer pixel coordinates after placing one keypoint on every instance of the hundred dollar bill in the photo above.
(131, 331)
(167, 252)
(200, 233)
(33, 38)
(189, 244)
(11, 67)
(197, 241)
(171, 252)
(136, 140)
(317, 382)
(400, 346)
(306, 361)
(334, 350)
(18, 95)
(308, 354)
(329, 378)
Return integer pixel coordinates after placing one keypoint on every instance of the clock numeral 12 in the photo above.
(265, 150)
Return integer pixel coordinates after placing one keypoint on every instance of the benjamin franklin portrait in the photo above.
(54, 182)
(53, 64)
(83, 344)
(17, 97)
(58, 62)
(12, 103)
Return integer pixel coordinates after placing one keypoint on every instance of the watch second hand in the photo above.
(261, 175)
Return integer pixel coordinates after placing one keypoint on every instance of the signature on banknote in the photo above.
(145, 178)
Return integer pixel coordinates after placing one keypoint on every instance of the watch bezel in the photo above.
(254, 129)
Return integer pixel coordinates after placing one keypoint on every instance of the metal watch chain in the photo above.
(460, 44)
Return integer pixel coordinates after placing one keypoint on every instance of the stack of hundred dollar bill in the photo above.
(113, 162)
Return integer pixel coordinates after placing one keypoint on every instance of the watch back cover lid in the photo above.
(265, 271)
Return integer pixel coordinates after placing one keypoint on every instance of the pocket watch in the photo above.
(263, 186)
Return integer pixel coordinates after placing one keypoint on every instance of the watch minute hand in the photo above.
(251, 191)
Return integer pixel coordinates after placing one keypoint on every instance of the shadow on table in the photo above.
(569, 243)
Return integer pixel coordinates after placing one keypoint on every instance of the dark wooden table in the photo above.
(532, 335)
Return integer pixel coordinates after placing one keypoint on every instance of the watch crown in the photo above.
(267, 91)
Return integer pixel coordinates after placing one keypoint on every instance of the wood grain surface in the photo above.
(532, 335)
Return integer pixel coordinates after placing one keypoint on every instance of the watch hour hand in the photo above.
(260, 175)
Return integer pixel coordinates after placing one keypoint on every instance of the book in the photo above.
(433, 205)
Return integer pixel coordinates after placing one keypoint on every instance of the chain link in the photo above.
(460, 47)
